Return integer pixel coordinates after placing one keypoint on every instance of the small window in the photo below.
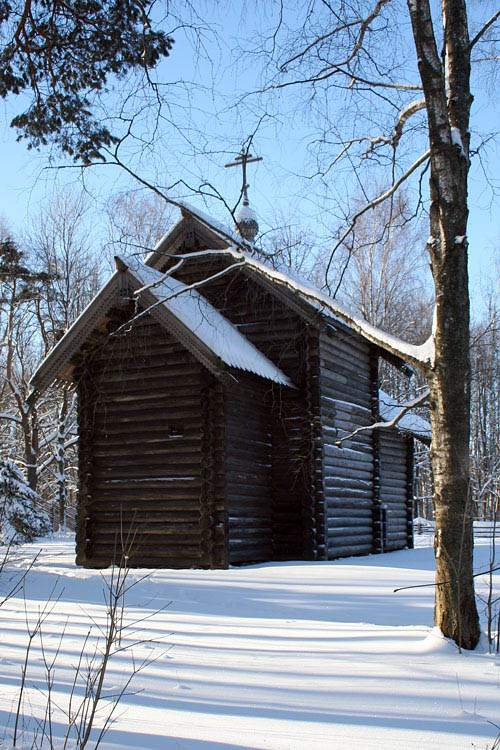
(175, 431)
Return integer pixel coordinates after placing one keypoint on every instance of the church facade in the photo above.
(217, 401)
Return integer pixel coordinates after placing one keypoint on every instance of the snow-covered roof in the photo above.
(390, 407)
(228, 235)
(214, 330)
(219, 226)
(332, 308)
(239, 249)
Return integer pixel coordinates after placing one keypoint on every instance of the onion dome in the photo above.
(246, 221)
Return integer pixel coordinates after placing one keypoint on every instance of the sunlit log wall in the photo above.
(367, 478)
(347, 469)
(396, 488)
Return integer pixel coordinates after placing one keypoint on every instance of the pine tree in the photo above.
(21, 516)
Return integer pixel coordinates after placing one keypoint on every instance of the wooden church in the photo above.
(212, 393)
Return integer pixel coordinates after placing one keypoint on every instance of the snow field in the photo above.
(282, 656)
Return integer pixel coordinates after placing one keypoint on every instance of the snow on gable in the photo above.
(223, 231)
(240, 250)
(390, 407)
(329, 306)
(214, 330)
(218, 226)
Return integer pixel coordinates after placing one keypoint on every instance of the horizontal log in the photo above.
(155, 363)
(349, 512)
(141, 407)
(350, 535)
(167, 446)
(162, 472)
(354, 550)
(103, 418)
(153, 431)
(167, 484)
(348, 523)
(348, 492)
(345, 502)
(342, 453)
(141, 462)
(348, 346)
(165, 493)
(139, 387)
(135, 529)
(158, 513)
(393, 494)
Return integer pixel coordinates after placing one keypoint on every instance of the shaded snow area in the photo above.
(282, 656)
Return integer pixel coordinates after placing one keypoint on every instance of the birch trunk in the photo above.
(446, 84)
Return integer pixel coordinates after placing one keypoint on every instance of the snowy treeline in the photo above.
(47, 276)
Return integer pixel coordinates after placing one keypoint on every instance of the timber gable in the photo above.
(211, 402)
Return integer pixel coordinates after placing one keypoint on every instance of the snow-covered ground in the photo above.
(281, 656)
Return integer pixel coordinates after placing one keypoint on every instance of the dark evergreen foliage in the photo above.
(13, 269)
(59, 54)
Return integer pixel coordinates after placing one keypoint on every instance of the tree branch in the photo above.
(482, 31)
(375, 202)
(405, 408)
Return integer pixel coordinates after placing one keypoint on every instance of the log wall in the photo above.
(192, 472)
(249, 470)
(348, 471)
(143, 403)
(395, 488)
(261, 316)
(290, 342)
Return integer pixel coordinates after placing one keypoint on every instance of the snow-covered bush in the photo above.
(21, 516)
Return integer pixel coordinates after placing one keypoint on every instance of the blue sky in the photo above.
(282, 141)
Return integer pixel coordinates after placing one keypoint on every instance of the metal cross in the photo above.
(244, 158)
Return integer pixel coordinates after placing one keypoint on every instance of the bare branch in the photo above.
(482, 31)
(405, 408)
(375, 202)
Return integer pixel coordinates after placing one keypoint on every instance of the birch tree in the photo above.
(384, 78)
(19, 286)
(59, 239)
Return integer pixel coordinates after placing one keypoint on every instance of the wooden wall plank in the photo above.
(142, 428)
(348, 471)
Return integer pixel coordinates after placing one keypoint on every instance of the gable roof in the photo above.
(209, 326)
(210, 337)
(313, 298)
(214, 233)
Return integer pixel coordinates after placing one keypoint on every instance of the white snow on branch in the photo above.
(395, 414)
